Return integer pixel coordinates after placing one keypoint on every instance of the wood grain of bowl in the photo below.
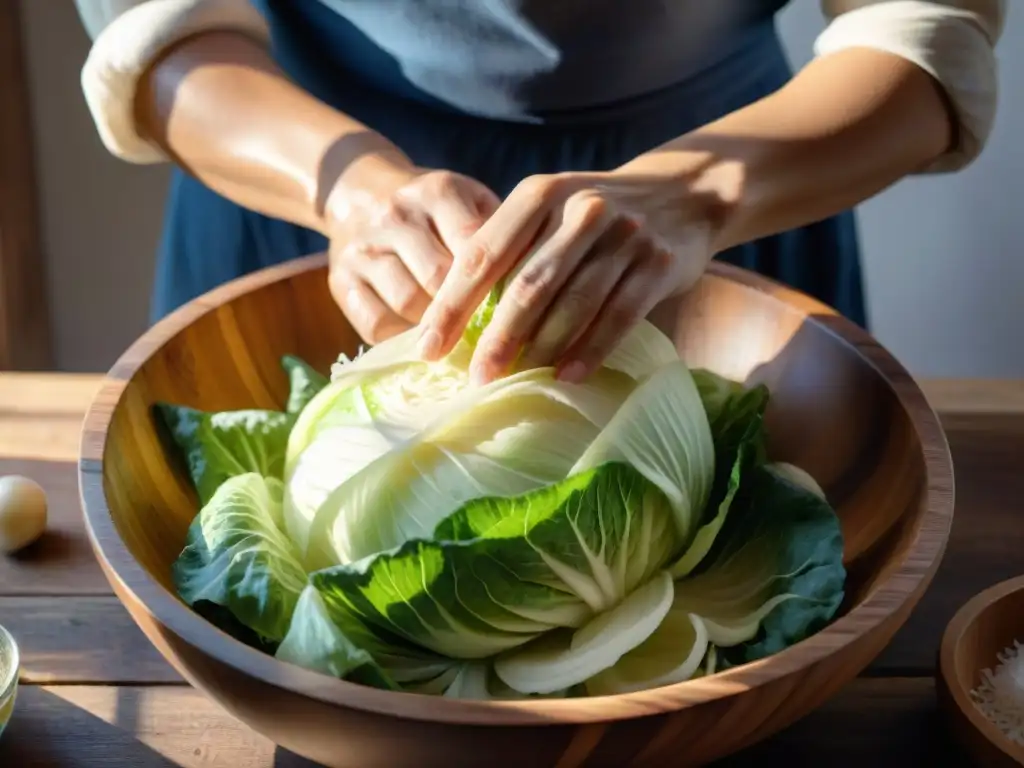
(842, 408)
(987, 624)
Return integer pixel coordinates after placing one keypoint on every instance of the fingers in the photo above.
(425, 258)
(630, 301)
(459, 207)
(394, 284)
(581, 299)
(395, 254)
(371, 318)
(536, 286)
(485, 258)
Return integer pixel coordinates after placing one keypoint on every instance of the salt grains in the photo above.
(1000, 697)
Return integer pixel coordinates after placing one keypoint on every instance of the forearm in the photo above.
(846, 127)
(220, 107)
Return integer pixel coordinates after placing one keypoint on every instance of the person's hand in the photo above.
(392, 237)
(590, 254)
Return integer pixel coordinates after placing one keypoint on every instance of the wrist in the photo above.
(708, 185)
(366, 180)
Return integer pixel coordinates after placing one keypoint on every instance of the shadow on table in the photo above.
(898, 732)
(49, 732)
(285, 759)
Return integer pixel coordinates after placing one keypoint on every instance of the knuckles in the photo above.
(407, 303)
(542, 188)
(438, 184)
(436, 279)
(498, 352)
(395, 213)
(476, 261)
(535, 283)
(586, 209)
(576, 302)
(352, 253)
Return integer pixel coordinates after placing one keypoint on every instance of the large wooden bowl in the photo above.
(842, 408)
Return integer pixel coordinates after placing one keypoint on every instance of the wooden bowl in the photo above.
(988, 623)
(842, 408)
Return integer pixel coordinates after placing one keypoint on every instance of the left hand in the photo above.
(593, 253)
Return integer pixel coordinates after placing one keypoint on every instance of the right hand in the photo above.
(392, 240)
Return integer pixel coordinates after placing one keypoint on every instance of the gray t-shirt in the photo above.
(516, 59)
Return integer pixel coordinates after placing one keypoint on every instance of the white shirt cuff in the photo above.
(954, 45)
(129, 43)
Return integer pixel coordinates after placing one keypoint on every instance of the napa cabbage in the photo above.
(397, 526)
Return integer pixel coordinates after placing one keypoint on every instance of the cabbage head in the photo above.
(399, 527)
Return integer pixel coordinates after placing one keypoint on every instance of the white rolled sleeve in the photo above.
(953, 41)
(128, 35)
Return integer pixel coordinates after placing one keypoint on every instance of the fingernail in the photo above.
(574, 372)
(429, 344)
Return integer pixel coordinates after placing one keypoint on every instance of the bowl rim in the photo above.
(965, 616)
(134, 584)
(9, 680)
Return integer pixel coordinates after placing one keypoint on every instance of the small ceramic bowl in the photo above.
(982, 629)
(8, 677)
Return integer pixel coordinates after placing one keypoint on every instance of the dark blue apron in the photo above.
(502, 89)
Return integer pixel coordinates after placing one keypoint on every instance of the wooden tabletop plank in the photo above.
(885, 722)
(81, 640)
(129, 727)
(974, 396)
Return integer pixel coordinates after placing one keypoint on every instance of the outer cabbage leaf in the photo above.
(671, 654)
(218, 446)
(238, 557)
(304, 382)
(317, 642)
(729, 474)
(501, 571)
(775, 575)
(730, 406)
(736, 418)
(662, 431)
(561, 659)
(478, 680)
(328, 638)
(228, 623)
(644, 350)
(798, 476)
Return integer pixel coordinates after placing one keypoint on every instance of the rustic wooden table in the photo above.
(95, 693)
